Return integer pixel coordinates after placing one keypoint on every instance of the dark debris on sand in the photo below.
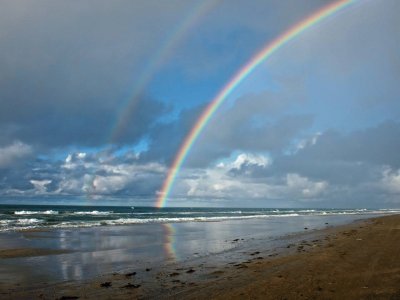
(106, 284)
(131, 286)
(130, 274)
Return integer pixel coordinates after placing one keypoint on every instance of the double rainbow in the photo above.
(269, 49)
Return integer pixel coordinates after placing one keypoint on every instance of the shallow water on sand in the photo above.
(102, 250)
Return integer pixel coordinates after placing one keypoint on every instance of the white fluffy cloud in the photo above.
(220, 182)
(40, 186)
(304, 186)
(391, 180)
(104, 174)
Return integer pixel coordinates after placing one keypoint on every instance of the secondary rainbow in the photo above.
(269, 49)
(171, 42)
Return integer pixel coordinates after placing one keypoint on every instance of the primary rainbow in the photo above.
(212, 107)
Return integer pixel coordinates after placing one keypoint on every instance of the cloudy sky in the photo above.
(97, 96)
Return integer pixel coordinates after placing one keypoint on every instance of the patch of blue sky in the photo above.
(140, 147)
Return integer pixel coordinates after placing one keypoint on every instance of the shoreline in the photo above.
(301, 265)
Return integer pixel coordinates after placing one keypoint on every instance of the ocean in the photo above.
(21, 217)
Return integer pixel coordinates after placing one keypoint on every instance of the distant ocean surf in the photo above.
(20, 217)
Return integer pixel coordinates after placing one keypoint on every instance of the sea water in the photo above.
(20, 217)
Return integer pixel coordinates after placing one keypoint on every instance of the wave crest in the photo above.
(28, 212)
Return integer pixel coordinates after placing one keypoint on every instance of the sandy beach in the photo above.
(355, 261)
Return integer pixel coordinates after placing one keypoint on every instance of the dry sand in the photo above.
(357, 261)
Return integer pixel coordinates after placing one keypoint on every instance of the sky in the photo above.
(96, 97)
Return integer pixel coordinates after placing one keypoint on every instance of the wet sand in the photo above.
(356, 261)
(26, 252)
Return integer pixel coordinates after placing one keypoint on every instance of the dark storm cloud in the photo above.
(67, 68)
(347, 158)
(81, 124)
(376, 145)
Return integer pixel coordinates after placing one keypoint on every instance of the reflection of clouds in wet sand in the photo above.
(80, 265)
(169, 242)
(101, 250)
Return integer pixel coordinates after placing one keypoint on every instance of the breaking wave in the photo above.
(27, 212)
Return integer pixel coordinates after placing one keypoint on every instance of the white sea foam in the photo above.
(94, 212)
(192, 212)
(6, 222)
(28, 221)
(28, 212)
(76, 224)
(19, 223)
(126, 221)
